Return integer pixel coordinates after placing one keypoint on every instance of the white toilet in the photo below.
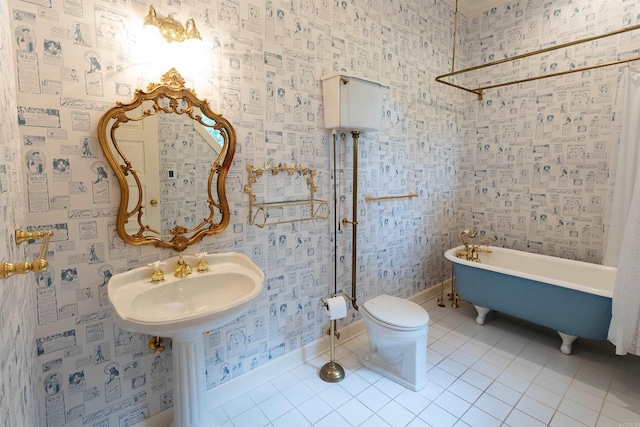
(397, 330)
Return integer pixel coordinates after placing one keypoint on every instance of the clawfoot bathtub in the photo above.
(572, 297)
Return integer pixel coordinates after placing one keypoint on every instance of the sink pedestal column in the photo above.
(189, 383)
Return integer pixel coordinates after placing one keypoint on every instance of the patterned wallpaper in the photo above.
(17, 320)
(260, 65)
(528, 166)
(539, 159)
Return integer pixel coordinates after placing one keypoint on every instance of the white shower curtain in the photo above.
(623, 243)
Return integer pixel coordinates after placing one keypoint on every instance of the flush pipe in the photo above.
(354, 222)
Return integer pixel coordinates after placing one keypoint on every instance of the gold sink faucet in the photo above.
(39, 265)
(158, 275)
(203, 265)
(183, 269)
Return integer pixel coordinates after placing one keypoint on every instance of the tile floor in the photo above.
(505, 373)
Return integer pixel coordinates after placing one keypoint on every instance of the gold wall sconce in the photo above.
(170, 29)
(39, 265)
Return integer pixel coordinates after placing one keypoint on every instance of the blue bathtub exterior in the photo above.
(566, 310)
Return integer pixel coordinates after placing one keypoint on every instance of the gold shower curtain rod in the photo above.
(479, 90)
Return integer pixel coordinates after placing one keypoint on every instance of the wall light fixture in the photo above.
(170, 29)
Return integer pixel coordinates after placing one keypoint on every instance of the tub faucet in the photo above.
(464, 236)
(183, 269)
(471, 251)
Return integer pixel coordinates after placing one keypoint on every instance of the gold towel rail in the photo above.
(480, 90)
(369, 199)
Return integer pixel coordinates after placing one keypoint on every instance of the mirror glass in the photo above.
(171, 155)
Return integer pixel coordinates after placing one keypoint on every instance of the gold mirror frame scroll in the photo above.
(177, 100)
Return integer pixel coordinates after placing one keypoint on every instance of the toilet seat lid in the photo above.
(397, 311)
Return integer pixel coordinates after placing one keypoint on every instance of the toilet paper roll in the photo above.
(337, 307)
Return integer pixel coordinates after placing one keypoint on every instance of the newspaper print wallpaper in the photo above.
(261, 68)
(529, 167)
(17, 320)
(539, 158)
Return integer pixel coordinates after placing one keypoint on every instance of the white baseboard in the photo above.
(230, 390)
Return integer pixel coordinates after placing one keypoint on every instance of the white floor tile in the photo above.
(520, 419)
(620, 414)
(585, 398)
(463, 358)
(551, 383)
(507, 371)
(451, 366)
(441, 377)
(375, 421)
(373, 398)
(535, 409)
(487, 368)
(238, 405)
(219, 415)
(561, 420)
(298, 393)
(275, 407)
(413, 401)
(436, 416)
(314, 410)
(251, 418)
(474, 417)
(476, 379)
(465, 391)
(417, 422)
(395, 414)
(333, 419)
(335, 396)
(262, 393)
(544, 396)
(354, 384)
(285, 380)
(368, 375)
(355, 412)
(494, 406)
(452, 403)
(291, 418)
(504, 393)
(513, 381)
(388, 387)
(431, 391)
(578, 412)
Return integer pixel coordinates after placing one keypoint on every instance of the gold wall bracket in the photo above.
(370, 199)
(40, 264)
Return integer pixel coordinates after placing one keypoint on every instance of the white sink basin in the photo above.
(191, 305)
(183, 309)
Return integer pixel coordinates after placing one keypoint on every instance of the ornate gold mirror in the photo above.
(170, 154)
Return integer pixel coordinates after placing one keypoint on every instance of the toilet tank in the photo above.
(351, 103)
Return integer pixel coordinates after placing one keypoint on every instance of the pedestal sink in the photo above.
(183, 309)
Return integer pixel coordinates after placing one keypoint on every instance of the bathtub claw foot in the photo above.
(482, 314)
(567, 342)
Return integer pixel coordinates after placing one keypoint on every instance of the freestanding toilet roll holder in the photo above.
(332, 372)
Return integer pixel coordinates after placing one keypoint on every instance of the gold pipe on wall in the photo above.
(370, 199)
(39, 265)
(480, 90)
(354, 222)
